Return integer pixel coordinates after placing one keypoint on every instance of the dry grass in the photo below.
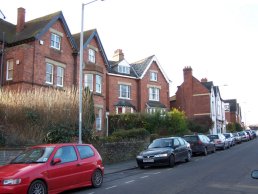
(28, 114)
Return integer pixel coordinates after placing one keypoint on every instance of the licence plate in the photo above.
(148, 160)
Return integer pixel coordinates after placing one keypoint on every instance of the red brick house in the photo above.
(141, 86)
(95, 65)
(37, 53)
(42, 53)
(201, 101)
(233, 111)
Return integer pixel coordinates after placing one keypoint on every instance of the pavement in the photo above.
(120, 167)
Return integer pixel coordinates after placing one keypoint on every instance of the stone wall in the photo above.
(7, 154)
(110, 152)
(121, 151)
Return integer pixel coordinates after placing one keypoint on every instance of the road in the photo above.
(225, 172)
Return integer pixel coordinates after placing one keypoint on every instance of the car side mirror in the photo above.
(56, 161)
(254, 174)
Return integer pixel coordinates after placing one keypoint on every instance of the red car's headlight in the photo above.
(11, 181)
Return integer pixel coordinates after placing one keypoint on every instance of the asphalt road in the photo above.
(225, 172)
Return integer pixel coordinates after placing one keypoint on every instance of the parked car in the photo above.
(220, 141)
(237, 137)
(52, 168)
(200, 144)
(254, 174)
(244, 136)
(250, 133)
(165, 151)
(230, 138)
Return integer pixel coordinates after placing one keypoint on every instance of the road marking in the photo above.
(111, 187)
(143, 177)
(129, 181)
(91, 193)
(157, 173)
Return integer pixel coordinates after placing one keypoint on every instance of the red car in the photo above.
(52, 168)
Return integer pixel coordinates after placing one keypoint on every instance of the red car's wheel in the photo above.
(97, 178)
(37, 187)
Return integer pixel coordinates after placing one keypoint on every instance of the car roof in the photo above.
(58, 145)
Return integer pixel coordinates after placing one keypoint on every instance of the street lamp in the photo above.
(80, 71)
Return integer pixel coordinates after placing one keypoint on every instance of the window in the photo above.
(9, 73)
(176, 142)
(123, 69)
(124, 91)
(154, 94)
(92, 56)
(60, 76)
(99, 119)
(88, 81)
(98, 83)
(85, 152)
(49, 73)
(153, 76)
(66, 154)
(55, 41)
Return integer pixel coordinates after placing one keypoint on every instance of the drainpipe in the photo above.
(2, 65)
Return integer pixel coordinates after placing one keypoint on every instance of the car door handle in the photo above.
(78, 164)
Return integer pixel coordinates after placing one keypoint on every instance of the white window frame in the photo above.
(123, 69)
(127, 92)
(154, 94)
(55, 41)
(9, 69)
(49, 73)
(98, 84)
(99, 119)
(153, 76)
(88, 83)
(92, 56)
(60, 76)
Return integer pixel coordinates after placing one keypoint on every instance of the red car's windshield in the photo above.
(34, 155)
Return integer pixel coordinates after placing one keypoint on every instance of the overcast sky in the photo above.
(217, 38)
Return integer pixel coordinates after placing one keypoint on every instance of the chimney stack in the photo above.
(20, 19)
(204, 79)
(118, 55)
(188, 73)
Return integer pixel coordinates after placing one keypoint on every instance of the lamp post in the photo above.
(80, 70)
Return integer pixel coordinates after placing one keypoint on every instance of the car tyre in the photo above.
(214, 149)
(205, 152)
(171, 161)
(97, 178)
(140, 166)
(37, 186)
(189, 155)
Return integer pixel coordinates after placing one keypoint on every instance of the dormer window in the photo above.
(92, 56)
(123, 69)
(55, 41)
(153, 76)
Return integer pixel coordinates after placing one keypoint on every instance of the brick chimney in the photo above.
(20, 19)
(188, 73)
(204, 79)
(118, 55)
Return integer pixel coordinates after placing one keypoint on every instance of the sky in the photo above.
(217, 38)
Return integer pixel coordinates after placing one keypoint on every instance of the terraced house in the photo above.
(42, 53)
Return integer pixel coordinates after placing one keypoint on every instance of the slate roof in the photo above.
(140, 66)
(33, 29)
(125, 103)
(155, 104)
(208, 85)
